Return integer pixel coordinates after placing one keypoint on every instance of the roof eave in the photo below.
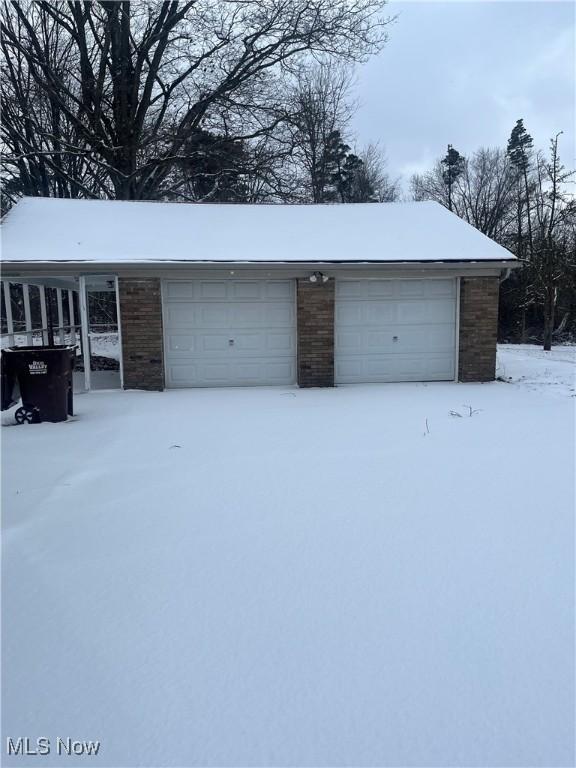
(512, 261)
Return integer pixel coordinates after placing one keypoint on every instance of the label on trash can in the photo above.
(37, 367)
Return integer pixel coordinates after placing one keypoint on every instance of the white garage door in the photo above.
(229, 332)
(395, 330)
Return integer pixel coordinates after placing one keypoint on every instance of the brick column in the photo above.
(315, 333)
(478, 328)
(142, 342)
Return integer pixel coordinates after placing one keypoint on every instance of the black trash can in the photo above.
(44, 375)
(8, 384)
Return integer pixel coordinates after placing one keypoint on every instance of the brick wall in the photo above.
(142, 343)
(315, 317)
(478, 328)
(142, 337)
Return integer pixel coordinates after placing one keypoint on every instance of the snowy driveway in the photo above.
(277, 577)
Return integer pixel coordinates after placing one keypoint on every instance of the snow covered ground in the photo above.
(104, 344)
(530, 367)
(284, 577)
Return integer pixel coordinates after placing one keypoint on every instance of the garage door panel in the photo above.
(180, 375)
(348, 341)
(441, 368)
(225, 315)
(376, 341)
(252, 371)
(441, 288)
(378, 289)
(211, 316)
(243, 372)
(348, 289)
(243, 343)
(262, 315)
(407, 333)
(413, 312)
(251, 343)
(181, 343)
(414, 289)
(393, 311)
(398, 368)
(183, 290)
(280, 315)
(365, 313)
(230, 332)
(179, 316)
(212, 342)
(206, 289)
(378, 312)
(442, 338)
(424, 289)
(269, 290)
(348, 314)
(442, 312)
(231, 290)
(246, 289)
(245, 315)
(279, 289)
(388, 368)
(392, 340)
(281, 342)
(425, 311)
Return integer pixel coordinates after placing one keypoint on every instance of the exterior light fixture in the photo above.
(318, 277)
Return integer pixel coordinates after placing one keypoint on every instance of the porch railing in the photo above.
(68, 333)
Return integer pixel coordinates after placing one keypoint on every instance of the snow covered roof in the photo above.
(45, 230)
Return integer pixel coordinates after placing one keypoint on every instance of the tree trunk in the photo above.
(523, 326)
(549, 307)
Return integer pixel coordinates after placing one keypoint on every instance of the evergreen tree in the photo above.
(333, 162)
(452, 168)
(345, 180)
(519, 152)
(520, 147)
(355, 184)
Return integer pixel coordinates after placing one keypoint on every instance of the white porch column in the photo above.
(27, 314)
(61, 339)
(43, 314)
(84, 331)
(119, 321)
(71, 317)
(8, 305)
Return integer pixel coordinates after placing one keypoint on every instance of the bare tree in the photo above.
(483, 193)
(128, 83)
(374, 175)
(487, 189)
(320, 109)
(35, 134)
(554, 258)
(522, 202)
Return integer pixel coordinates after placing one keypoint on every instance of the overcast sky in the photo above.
(463, 73)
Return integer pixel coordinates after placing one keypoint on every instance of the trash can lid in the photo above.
(38, 348)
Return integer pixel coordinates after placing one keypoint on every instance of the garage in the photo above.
(229, 332)
(395, 330)
(313, 295)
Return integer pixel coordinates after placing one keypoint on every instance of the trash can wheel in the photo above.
(27, 416)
